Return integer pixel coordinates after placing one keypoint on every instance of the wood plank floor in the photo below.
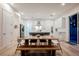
(68, 50)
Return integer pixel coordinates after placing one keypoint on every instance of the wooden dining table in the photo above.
(50, 47)
(39, 37)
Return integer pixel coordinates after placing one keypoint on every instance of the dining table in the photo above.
(52, 45)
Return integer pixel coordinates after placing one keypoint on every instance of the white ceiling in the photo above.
(43, 10)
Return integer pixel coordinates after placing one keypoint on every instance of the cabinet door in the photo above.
(73, 29)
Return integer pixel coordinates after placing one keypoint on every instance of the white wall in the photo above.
(8, 32)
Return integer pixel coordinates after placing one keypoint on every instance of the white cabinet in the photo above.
(60, 25)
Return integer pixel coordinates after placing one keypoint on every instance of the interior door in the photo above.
(7, 28)
(73, 29)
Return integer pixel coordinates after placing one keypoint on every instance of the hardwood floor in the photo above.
(68, 50)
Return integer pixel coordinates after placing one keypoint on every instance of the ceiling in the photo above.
(43, 10)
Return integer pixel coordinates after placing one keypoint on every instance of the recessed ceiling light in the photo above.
(62, 4)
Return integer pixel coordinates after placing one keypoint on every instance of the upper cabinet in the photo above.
(60, 24)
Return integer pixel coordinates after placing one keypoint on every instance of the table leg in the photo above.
(49, 52)
(53, 52)
(22, 53)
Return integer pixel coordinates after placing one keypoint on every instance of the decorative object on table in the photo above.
(38, 35)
